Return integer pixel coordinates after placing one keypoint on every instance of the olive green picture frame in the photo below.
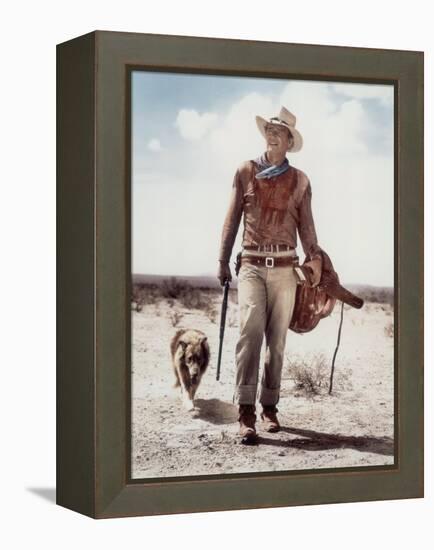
(94, 258)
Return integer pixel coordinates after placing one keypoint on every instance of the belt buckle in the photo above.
(269, 262)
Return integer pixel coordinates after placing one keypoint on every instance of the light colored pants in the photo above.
(266, 299)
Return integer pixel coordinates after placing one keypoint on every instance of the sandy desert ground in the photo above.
(353, 427)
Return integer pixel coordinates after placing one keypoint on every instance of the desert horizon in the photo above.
(369, 293)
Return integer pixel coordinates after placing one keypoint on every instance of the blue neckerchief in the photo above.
(268, 170)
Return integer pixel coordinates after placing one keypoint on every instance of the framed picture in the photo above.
(180, 386)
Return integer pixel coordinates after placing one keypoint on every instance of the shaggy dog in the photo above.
(190, 358)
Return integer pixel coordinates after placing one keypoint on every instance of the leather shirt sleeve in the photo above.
(232, 219)
(306, 226)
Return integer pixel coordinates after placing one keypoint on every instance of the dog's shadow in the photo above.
(216, 411)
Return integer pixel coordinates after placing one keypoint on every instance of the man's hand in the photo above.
(224, 273)
(316, 267)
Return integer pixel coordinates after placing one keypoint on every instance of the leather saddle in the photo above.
(314, 303)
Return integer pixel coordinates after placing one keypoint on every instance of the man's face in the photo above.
(278, 138)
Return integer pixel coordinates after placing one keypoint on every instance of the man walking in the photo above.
(274, 199)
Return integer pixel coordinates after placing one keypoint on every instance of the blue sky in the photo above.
(190, 132)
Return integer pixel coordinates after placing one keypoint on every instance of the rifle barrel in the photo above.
(222, 326)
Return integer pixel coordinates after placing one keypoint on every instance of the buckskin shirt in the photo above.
(274, 209)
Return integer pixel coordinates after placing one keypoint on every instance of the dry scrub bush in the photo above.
(378, 295)
(190, 298)
(211, 312)
(143, 295)
(175, 317)
(311, 375)
(173, 288)
(194, 299)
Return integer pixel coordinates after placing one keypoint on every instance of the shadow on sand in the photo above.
(216, 411)
(310, 440)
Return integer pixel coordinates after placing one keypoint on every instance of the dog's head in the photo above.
(195, 354)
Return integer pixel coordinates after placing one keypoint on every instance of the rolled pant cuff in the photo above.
(245, 395)
(269, 396)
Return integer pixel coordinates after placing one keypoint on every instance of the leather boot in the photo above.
(247, 419)
(269, 418)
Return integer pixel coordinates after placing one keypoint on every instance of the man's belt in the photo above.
(269, 248)
(270, 261)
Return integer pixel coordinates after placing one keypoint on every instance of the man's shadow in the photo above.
(220, 412)
(310, 440)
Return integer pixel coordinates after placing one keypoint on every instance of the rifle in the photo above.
(222, 326)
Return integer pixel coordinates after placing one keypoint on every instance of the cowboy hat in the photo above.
(287, 120)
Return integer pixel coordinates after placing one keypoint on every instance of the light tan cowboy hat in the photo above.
(287, 120)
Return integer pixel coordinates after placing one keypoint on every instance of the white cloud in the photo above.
(237, 138)
(154, 145)
(325, 131)
(383, 93)
(192, 125)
